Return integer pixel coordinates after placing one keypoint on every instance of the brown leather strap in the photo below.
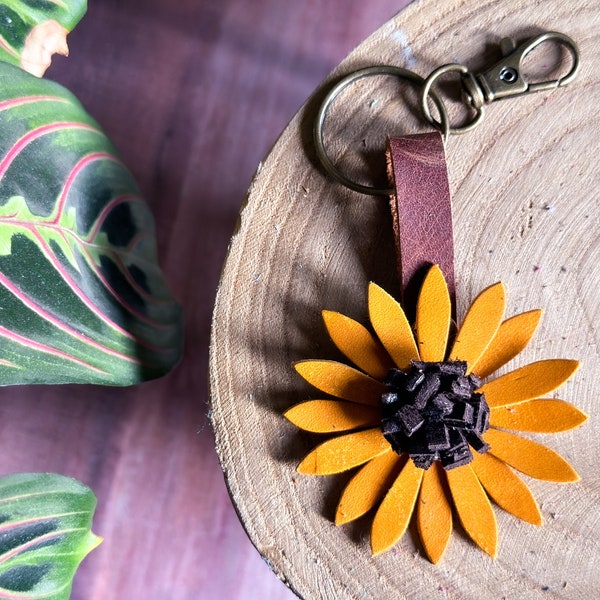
(422, 212)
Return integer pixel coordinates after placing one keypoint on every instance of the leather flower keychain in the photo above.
(420, 413)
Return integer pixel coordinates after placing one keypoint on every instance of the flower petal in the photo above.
(357, 344)
(506, 488)
(344, 452)
(473, 507)
(433, 316)
(367, 487)
(392, 327)
(434, 514)
(529, 457)
(529, 382)
(393, 516)
(511, 338)
(480, 325)
(341, 381)
(545, 415)
(330, 416)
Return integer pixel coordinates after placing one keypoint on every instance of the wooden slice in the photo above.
(525, 205)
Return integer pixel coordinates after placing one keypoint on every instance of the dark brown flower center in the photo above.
(433, 412)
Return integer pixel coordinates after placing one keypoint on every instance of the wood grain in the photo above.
(525, 207)
(193, 94)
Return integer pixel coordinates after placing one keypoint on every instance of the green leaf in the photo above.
(45, 522)
(82, 298)
(32, 30)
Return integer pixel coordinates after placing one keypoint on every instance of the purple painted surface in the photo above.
(193, 94)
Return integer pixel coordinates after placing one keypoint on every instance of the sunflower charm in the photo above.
(427, 427)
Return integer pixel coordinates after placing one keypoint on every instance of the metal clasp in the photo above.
(505, 78)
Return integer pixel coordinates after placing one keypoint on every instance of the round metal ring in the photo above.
(328, 165)
(428, 92)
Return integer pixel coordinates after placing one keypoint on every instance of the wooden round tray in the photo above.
(525, 206)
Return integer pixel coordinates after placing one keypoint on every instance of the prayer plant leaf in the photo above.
(32, 30)
(45, 522)
(82, 299)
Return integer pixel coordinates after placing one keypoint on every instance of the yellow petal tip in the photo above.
(575, 478)
(339, 520)
(308, 466)
(295, 365)
(328, 316)
(376, 551)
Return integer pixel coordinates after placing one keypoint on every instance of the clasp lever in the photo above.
(505, 78)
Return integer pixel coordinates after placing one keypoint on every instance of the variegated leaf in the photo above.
(32, 30)
(82, 298)
(45, 522)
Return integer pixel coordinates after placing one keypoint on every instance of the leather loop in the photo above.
(422, 212)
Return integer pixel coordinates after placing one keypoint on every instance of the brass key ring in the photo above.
(502, 80)
(328, 164)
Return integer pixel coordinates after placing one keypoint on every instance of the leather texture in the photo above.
(422, 212)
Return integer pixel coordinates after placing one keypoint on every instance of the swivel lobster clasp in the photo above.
(506, 79)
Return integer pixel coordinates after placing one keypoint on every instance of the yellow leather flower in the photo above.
(446, 445)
